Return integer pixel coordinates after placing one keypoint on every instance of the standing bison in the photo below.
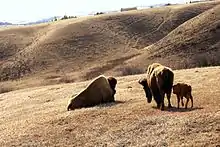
(183, 90)
(100, 90)
(159, 81)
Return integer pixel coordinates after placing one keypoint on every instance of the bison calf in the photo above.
(183, 90)
(100, 90)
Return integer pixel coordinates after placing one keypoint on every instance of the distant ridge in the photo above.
(5, 23)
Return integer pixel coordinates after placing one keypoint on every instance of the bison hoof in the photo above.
(158, 106)
(169, 106)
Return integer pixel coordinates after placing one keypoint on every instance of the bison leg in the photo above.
(158, 106)
(168, 98)
(191, 98)
(158, 99)
(187, 102)
(112, 99)
(162, 101)
(162, 106)
(182, 101)
(178, 102)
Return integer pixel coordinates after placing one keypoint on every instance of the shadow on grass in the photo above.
(103, 105)
(110, 104)
(182, 109)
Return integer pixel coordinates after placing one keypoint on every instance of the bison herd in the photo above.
(158, 82)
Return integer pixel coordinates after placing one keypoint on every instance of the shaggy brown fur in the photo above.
(159, 82)
(112, 81)
(152, 67)
(100, 90)
(183, 90)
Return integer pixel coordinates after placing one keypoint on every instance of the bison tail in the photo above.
(168, 80)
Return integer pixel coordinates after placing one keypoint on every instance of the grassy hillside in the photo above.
(111, 44)
(38, 116)
(194, 43)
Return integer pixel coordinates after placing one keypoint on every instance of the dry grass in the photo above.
(5, 88)
(38, 116)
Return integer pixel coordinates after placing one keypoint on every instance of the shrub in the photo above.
(67, 17)
(5, 88)
(201, 60)
(66, 79)
(55, 19)
(168, 4)
(99, 13)
(207, 59)
(64, 17)
(15, 69)
(129, 70)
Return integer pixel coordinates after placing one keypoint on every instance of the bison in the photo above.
(183, 90)
(158, 82)
(100, 90)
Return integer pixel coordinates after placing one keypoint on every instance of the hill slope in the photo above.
(85, 47)
(192, 44)
(38, 116)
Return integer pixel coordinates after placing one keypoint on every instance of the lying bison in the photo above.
(159, 81)
(183, 90)
(100, 90)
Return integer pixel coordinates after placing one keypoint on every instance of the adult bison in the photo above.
(159, 81)
(100, 90)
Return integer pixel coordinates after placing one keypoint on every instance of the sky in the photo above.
(19, 11)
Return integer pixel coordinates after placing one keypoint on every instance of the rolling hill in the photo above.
(194, 43)
(112, 44)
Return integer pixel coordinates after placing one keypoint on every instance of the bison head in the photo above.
(147, 90)
(112, 81)
(69, 107)
(176, 89)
